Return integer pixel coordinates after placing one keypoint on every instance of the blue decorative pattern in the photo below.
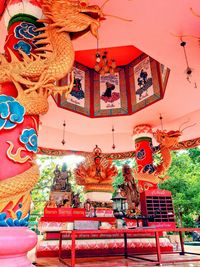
(30, 139)
(10, 222)
(149, 168)
(11, 112)
(141, 154)
(24, 46)
(26, 30)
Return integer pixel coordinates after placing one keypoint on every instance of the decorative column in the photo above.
(142, 136)
(18, 134)
(36, 57)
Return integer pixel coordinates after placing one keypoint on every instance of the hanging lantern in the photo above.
(188, 69)
(63, 140)
(113, 138)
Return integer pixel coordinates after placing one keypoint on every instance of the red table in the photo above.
(142, 230)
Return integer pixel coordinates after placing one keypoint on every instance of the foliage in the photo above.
(184, 183)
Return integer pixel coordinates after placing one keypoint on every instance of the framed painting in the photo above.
(144, 81)
(79, 98)
(110, 94)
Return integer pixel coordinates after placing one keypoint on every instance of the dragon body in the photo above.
(166, 141)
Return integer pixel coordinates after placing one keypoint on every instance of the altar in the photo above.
(129, 209)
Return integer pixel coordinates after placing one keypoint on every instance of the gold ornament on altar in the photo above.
(96, 173)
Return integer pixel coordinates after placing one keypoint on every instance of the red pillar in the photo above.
(144, 153)
(18, 128)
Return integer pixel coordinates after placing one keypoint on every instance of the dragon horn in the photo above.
(117, 17)
(104, 3)
(183, 124)
(189, 126)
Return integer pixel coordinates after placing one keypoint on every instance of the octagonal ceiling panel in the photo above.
(137, 82)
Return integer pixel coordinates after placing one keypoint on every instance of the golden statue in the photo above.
(96, 173)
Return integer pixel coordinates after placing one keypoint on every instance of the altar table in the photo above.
(126, 232)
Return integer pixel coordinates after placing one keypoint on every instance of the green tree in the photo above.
(184, 183)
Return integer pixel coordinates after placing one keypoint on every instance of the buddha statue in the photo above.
(96, 173)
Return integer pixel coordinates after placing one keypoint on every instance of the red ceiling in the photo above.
(123, 55)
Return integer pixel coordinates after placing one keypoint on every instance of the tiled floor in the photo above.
(120, 262)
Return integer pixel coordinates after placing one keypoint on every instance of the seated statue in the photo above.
(60, 181)
(51, 203)
(95, 171)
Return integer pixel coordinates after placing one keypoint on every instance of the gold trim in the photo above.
(16, 157)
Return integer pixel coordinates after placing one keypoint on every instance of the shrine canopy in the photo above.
(151, 37)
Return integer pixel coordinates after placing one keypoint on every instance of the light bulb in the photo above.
(98, 57)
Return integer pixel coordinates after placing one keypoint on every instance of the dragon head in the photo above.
(71, 16)
(167, 139)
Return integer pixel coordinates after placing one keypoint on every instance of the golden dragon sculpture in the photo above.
(166, 141)
(35, 76)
